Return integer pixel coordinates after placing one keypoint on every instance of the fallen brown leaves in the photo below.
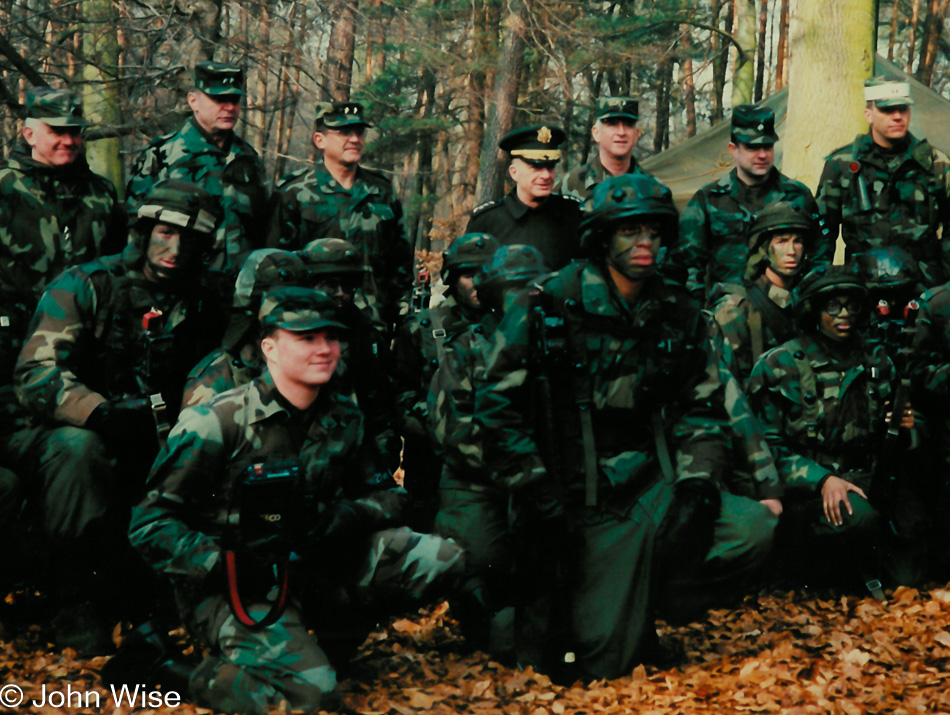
(775, 654)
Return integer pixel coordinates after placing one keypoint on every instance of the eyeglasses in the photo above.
(834, 307)
(895, 108)
(347, 131)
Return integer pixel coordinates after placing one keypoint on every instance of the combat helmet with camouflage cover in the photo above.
(780, 217)
(511, 266)
(467, 254)
(263, 270)
(627, 196)
(183, 204)
(822, 283)
(889, 268)
(331, 255)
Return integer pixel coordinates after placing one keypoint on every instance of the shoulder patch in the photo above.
(487, 205)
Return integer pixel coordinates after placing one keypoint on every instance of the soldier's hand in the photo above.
(907, 417)
(835, 491)
(774, 505)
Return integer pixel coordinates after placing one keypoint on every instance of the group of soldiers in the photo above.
(605, 412)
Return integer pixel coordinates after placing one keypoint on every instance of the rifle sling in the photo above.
(663, 448)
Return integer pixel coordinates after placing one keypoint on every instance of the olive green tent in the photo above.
(705, 157)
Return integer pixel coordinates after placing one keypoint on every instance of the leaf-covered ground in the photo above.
(788, 653)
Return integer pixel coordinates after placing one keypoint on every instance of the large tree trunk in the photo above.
(743, 79)
(823, 35)
(290, 88)
(892, 35)
(781, 54)
(504, 98)
(760, 50)
(930, 41)
(340, 53)
(100, 88)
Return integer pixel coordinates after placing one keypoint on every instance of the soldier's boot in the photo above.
(145, 658)
(85, 618)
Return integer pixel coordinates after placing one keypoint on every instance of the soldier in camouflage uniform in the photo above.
(473, 509)
(336, 267)
(346, 534)
(615, 134)
(632, 390)
(54, 212)
(206, 151)
(532, 214)
(755, 316)
(238, 360)
(99, 377)
(714, 227)
(822, 399)
(418, 351)
(889, 187)
(340, 198)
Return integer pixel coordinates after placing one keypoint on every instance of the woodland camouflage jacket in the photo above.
(714, 227)
(624, 364)
(234, 175)
(87, 344)
(195, 480)
(51, 218)
(834, 430)
(311, 204)
(880, 198)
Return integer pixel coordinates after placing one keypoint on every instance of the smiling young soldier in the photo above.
(714, 227)
(755, 317)
(341, 198)
(888, 187)
(615, 133)
(532, 214)
(206, 151)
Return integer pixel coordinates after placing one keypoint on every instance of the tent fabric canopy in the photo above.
(705, 157)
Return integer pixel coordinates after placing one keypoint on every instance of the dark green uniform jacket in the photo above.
(552, 228)
(581, 180)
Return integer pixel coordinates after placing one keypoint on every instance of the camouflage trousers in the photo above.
(252, 671)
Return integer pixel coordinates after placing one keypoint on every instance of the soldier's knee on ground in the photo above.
(402, 562)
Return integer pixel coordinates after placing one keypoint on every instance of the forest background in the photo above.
(442, 79)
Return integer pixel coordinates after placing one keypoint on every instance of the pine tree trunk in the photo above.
(720, 62)
(689, 86)
(263, 76)
(743, 80)
(100, 88)
(340, 52)
(824, 35)
(664, 82)
(760, 50)
(912, 40)
(930, 42)
(504, 98)
(781, 54)
(892, 36)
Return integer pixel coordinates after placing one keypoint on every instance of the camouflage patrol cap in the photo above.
(618, 108)
(822, 283)
(889, 268)
(467, 253)
(299, 310)
(620, 197)
(341, 114)
(263, 269)
(887, 91)
(537, 144)
(181, 203)
(56, 107)
(331, 255)
(516, 263)
(753, 126)
(218, 79)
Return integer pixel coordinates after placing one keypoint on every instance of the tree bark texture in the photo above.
(743, 79)
(339, 76)
(689, 85)
(760, 50)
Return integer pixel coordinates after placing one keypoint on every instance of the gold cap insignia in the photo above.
(544, 135)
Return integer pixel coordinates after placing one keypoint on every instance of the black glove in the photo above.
(119, 420)
(338, 536)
